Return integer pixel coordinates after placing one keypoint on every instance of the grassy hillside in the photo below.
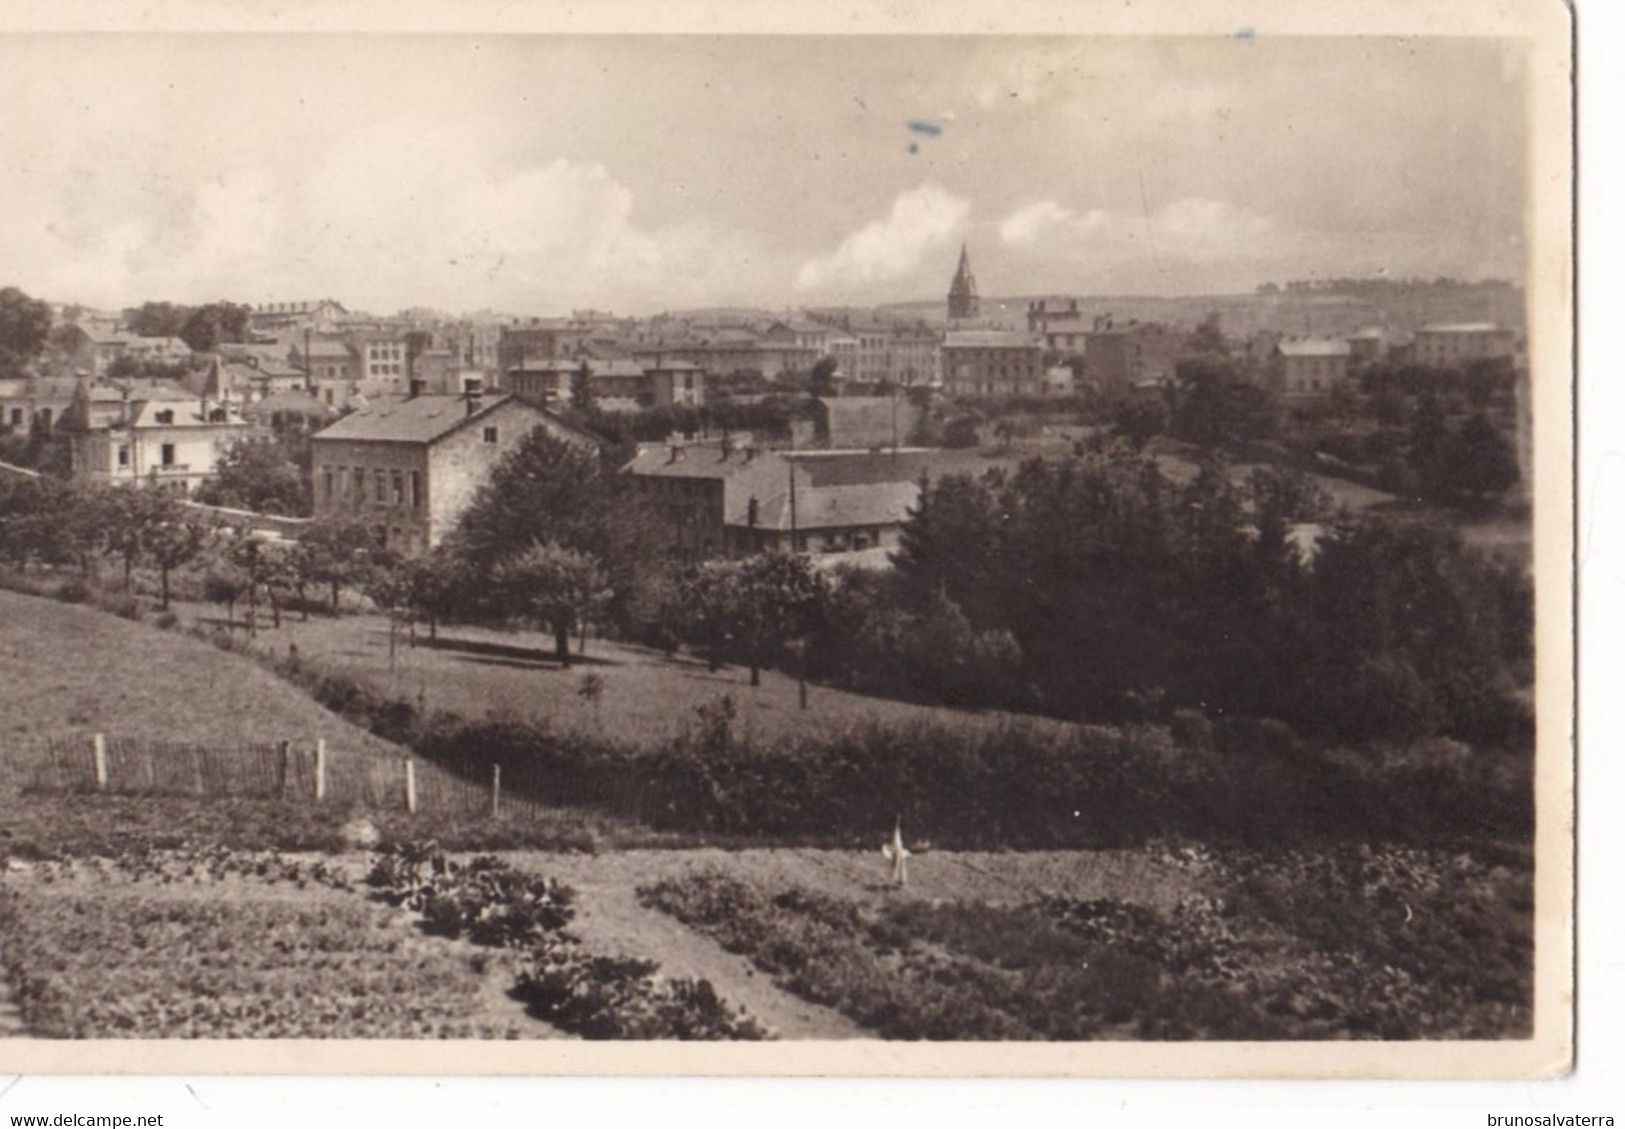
(647, 698)
(68, 670)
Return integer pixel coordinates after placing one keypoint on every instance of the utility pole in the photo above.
(794, 546)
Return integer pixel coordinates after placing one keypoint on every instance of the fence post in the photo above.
(98, 748)
(496, 790)
(411, 786)
(321, 769)
(284, 749)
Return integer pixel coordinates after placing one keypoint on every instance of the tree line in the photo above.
(1090, 588)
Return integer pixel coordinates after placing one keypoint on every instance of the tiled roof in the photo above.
(1314, 348)
(421, 419)
(302, 403)
(1464, 327)
(830, 507)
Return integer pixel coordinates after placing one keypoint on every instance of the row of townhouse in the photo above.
(1318, 365)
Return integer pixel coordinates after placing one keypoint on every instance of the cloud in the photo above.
(1044, 220)
(921, 220)
(1192, 229)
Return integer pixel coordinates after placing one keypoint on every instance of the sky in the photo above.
(540, 174)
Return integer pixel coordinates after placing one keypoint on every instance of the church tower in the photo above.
(962, 299)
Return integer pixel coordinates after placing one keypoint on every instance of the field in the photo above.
(186, 916)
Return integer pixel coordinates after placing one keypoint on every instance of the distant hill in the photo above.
(1399, 308)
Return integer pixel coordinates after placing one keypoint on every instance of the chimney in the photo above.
(752, 511)
(473, 393)
(414, 388)
(676, 453)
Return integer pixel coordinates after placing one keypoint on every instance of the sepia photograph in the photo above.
(514, 541)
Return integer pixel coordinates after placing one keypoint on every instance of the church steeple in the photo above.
(962, 299)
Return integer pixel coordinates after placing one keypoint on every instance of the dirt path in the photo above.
(610, 920)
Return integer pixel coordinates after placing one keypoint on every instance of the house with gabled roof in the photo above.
(413, 466)
(163, 437)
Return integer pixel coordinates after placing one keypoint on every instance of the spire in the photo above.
(962, 298)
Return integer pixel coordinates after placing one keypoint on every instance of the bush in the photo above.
(72, 592)
(165, 621)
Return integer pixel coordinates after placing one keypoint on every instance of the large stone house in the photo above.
(1313, 367)
(992, 362)
(168, 440)
(413, 466)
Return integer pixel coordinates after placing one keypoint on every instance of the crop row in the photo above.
(87, 960)
(1341, 944)
(592, 995)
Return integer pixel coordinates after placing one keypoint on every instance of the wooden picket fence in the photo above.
(290, 770)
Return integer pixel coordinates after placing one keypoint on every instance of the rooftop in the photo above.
(420, 419)
(1464, 327)
(1315, 348)
(991, 339)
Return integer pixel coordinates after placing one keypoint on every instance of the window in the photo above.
(359, 479)
(378, 486)
(490, 435)
(124, 455)
(327, 482)
(168, 454)
(165, 416)
(395, 488)
(416, 484)
(16, 417)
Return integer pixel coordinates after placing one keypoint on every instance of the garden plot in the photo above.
(236, 946)
(1352, 942)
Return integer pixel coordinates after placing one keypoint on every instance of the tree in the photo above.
(1482, 462)
(25, 326)
(546, 489)
(755, 608)
(822, 381)
(581, 397)
(1217, 408)
(1207, 339)
(553, 587)
(175, 538)
(337, 550)
(158, 319)
(259, 475)
(1139, 419)
(207, 327)
(125, 517)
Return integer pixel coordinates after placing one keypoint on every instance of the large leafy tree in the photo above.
(158, 319)
(25, 326)
(754, 609)
(560, 491)
(553, 587)
(259, 475)
(207, 327)
(176, 537)
(337, 550)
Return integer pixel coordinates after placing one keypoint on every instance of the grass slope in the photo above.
(68, 670)
(648, 698)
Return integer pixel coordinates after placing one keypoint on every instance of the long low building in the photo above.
(718, 499)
